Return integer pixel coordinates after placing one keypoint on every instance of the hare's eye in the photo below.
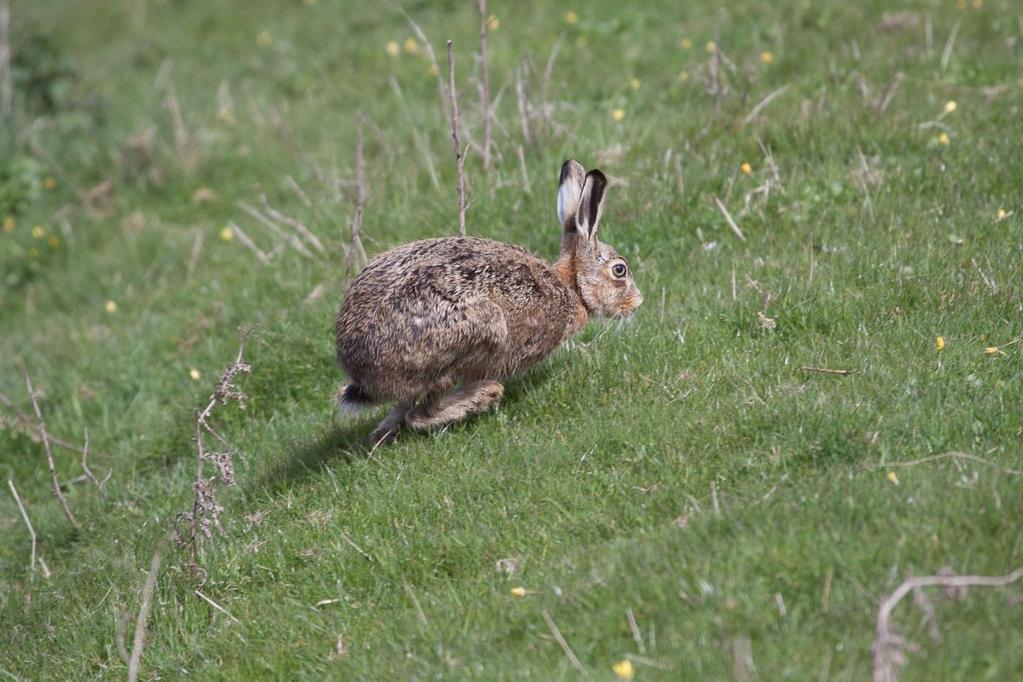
(619, 270)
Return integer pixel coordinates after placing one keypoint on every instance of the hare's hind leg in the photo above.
(472, 398)
(387, 430)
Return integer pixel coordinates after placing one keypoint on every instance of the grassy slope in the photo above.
(597, 471)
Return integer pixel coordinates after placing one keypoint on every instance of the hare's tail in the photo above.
(354, 398)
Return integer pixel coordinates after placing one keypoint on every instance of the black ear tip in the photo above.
(566, 169)
(598, 177)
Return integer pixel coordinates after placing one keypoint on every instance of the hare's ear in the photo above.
(591, 205)
(570, 188)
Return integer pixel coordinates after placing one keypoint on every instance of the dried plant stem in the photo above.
(456, 144)
(6, 88)
(25, 422)
(204, 506)
(431, 55)
(825, 370)
(145, 604)
(888, 645)
(31, 532)
(763, 104)
(481, 7)
(522, 167)
(85, 466)
(417, 137)
(523, 103)
(355, 254)
(576, 663)
(955, 456)
(728, 218)
(215, 605)
(49, 454)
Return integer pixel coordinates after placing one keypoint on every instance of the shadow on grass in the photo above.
(343, 442)
(348, 438)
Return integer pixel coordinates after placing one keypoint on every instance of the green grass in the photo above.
(685, 468)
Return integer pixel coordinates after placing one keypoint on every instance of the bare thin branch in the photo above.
(31, 532)
(456, 144)
(825, 370)
(956, 456)
(433, 61)
(6, 88)
(25, 421)
(49, 453)
(481, 7)
(889, 647)
(145, 604)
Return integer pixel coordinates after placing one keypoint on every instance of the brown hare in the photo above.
(435, 326)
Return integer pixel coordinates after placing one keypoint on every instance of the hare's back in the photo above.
(434, 302)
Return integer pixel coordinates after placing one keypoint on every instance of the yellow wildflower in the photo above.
(686, 44)
(411, 46)
(38, 231)
(634, 84)
(893, 477)
(518, 592)
(264, 38)
(432, 69)
(624, 669)
(392, 48)
(746, 168)
(617, 114)
(766, 57)
(943, 139)
(110, 307)
(991, 350)
(711, 46)
(1001, 215)
(49, 183)
(950, 106)
(939, 343)
(227, 234)
(571, 18)
(493, 23)
(53, 241)
(194, 373)
(9, 224)
(683, 76)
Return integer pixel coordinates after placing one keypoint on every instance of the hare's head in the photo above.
(602, 277)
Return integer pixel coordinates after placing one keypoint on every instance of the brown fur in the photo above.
(428, 317)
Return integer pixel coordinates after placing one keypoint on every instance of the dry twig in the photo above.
(355, 254)
(49, 453)
(6, 89)
(25, 422)
(206, 510)
(889, 647)
(31, 531)
(456, 144)
(825, 370)
(481, 7)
